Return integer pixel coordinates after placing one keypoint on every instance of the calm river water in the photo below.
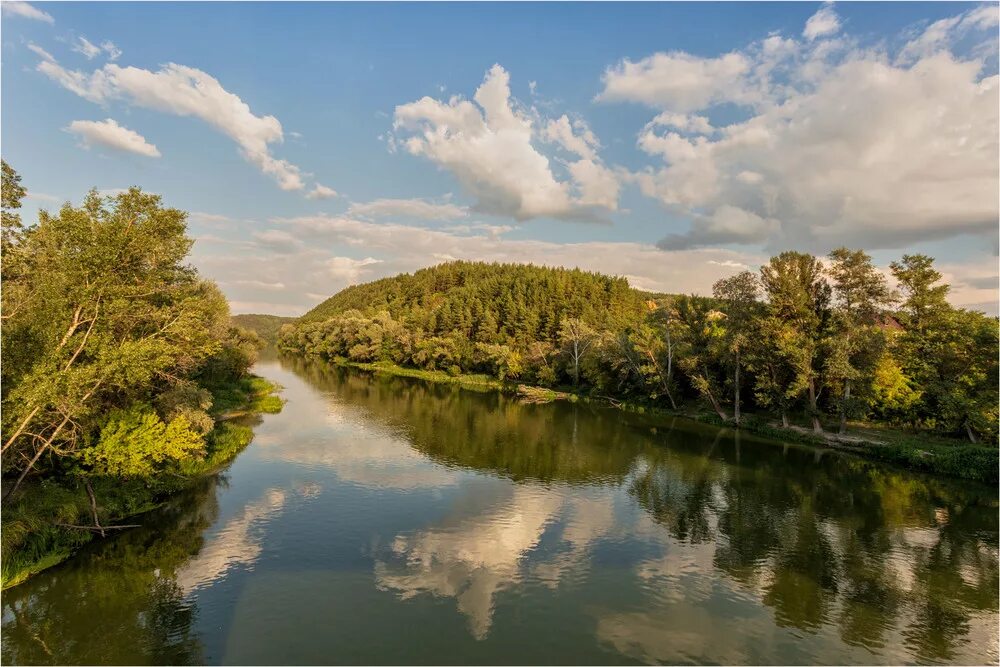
(386, 520)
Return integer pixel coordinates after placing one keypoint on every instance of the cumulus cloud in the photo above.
(727, 224)
(110, 134)
(836, 143)
(822, 23)
(678, 81)
(489, 144)
(940, 34)
(347, 270)
(186, 91)
(407, 208)
(24, 10)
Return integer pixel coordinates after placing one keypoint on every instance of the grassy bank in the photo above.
(922, 452)
(51, 518)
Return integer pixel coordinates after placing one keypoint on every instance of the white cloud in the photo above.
(110, 134)
(109, 48)
(210, 218)
(277, 240)
(39, 51)
(41, 196)
(407, 208)
(84, 46)
(822, 23)
(24, 10)
(321, 192)
(489, 146)
(260, 285)
(677, 81)
(186, 91)
(837, 144)
(727, 224)
(940, 34)
(347, 270)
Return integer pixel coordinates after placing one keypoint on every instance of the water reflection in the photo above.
(120, 603)
(525, 533)
(833, 547)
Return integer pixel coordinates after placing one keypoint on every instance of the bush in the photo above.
(136, 443)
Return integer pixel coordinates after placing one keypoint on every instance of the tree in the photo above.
(924, 301)
(577, 337)
(780, 364)
(799, 297)
(739, 293)
(702, 335)
(950, 354)
(861, 295)
(12, 193)
(104, 313)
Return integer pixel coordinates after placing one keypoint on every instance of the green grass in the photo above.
(32, 540)
(249, 395)
(476, 382)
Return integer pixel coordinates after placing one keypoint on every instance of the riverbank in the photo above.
(51, 518)
(916, 452)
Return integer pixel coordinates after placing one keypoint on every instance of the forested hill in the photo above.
(265, 326)
(801, 339)
(490, 303)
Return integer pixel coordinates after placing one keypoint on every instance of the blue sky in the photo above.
(673, 143)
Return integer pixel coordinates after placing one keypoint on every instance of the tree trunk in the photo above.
(670, 366)
(93, 508)
(20, 429)
(711, 398)
(576, 363)
(969, 432)
(736, 391)
(843, 407)
(664, 381)
(813, 411)
(784, 416)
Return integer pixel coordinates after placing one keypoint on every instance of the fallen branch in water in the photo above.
(99, 529)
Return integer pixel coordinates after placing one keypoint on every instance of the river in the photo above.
(388, 520)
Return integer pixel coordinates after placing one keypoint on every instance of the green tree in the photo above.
(739, 293)
(12, 193)
(799, 297)
(925, 302)
(857, 343)
(576, 337)
(951, 355)
(702, 338)
(104, 313)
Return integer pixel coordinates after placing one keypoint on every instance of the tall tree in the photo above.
(925, 302)
(739, 293)
(861, 296)
(702, 337)
(799, 297)
(577, 337)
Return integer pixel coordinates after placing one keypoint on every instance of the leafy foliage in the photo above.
(824, 342)
(136, 443)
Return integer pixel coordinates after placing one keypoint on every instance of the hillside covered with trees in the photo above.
(824, 342)
(265, 326)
